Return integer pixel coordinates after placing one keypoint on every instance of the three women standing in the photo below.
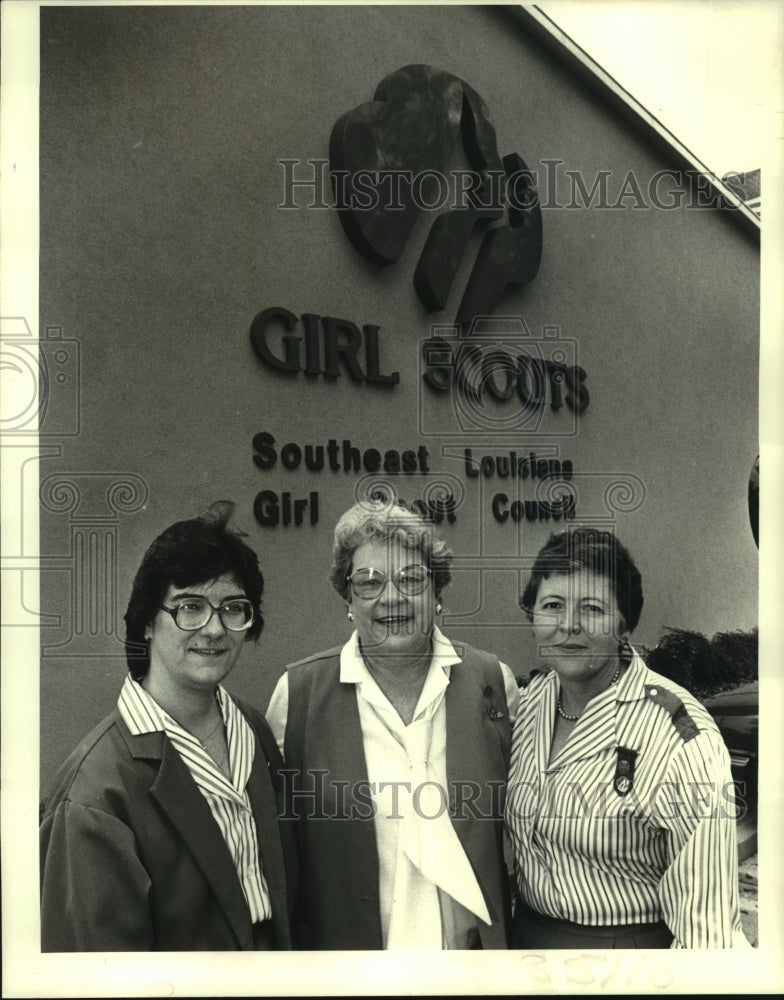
(164, 830)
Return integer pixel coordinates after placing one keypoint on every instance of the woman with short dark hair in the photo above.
(619, 803)
(162, 830)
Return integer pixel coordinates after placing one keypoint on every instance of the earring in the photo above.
(350, 615)
(438, 608)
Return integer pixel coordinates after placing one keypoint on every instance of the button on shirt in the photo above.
(405, 766)
(228, 800)
(664, 850)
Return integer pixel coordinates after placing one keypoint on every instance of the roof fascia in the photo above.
(535, 22)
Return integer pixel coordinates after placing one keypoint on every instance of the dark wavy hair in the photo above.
(381, 521)
(599, 552)
(188, 553)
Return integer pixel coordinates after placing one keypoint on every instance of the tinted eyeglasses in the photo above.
(369, 583)
(193, 613)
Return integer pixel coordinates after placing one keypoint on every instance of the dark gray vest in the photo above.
(340, 898)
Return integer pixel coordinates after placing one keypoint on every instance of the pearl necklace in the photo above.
(574, 718)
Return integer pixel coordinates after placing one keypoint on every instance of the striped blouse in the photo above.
(228, 800)
(593, 847)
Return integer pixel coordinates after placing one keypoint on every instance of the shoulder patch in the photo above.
(686, 726)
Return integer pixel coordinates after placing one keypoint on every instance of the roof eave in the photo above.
(535, 22)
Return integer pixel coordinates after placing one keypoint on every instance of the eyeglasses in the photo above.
(194, 612)
(369, 583)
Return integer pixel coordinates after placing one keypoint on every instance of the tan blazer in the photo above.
(132, 859)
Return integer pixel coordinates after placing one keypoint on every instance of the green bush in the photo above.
(706, 666)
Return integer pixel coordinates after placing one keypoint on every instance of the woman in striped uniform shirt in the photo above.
(162, 830)
(620, 801)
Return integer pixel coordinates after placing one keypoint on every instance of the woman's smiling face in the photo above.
(392, 622)
(577, 624)
(202, 658)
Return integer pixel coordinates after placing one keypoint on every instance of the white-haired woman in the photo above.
(399, 744)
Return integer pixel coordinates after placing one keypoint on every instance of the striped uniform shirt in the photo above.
(666, 849)
(228, 800)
